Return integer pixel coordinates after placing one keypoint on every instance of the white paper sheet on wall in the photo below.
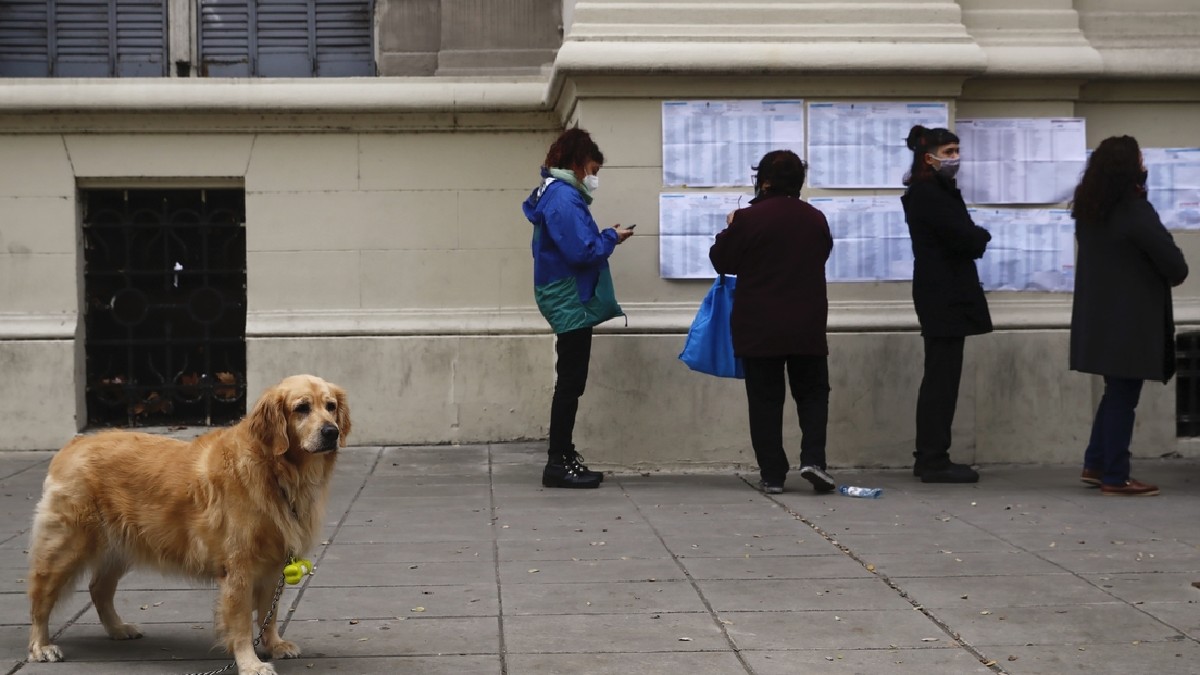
(714, 143)
(862, 145)
(1021, 160)
(1030, 250)
(1174, 185)
(688, 222)
(870, 239)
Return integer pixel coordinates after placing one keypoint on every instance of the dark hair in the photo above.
(922, 140)
(573, 148)
(784, 170)
(1113, 172)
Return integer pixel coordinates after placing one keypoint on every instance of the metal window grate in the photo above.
(1187, 385)
(165, 306)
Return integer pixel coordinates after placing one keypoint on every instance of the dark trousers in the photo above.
(574, 350)
(938, 398)
(808, 377)
(1112, 430)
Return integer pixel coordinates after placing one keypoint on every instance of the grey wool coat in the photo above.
(1121, 319)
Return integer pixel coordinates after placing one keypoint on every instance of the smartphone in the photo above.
(630, 227)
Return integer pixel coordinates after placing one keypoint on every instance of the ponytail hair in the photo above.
(922, 140)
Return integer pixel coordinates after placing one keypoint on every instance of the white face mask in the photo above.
(591, 182)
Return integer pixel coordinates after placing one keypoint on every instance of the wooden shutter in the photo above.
(24, 38)
(286, 38)
(83, 38)
(345, 45)
(225, 38)
(141, 43)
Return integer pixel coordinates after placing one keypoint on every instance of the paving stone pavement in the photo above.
(455, 560)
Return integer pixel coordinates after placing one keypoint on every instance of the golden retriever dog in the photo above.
(228, 507)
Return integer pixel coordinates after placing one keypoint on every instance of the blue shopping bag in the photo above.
(709, 346)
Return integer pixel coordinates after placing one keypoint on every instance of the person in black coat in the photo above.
(777, 247)
(946, 292)
(1122, 326)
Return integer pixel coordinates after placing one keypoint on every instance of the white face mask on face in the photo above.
(591, 182)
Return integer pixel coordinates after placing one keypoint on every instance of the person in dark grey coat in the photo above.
(777, 247)
(1122, 325)
(946, 292)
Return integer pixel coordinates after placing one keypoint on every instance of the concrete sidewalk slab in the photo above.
(456, 560)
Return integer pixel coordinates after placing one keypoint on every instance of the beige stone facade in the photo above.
(387, 252)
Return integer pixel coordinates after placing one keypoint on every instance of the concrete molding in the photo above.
(30, 326)
(1038, 313)
(273, 95)
(1153, 39)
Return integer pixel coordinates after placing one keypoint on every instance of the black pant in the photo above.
(1112, 430)
(765, 393)
(574, 350)
(938, 399)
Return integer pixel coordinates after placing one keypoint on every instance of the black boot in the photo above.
(949, 472)
(577, 460)
(562, 473)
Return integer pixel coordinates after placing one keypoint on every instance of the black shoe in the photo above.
(564, 475)
(576, 459)
(950, 473)
(821, 481)
(771, 488)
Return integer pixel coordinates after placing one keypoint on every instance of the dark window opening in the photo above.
(1187, 385)
(165, 306)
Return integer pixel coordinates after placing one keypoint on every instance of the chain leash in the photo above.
(262, 629)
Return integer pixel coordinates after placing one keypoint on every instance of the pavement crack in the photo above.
(990, 663)
(286, 619)
(737, 652)
(496, 561)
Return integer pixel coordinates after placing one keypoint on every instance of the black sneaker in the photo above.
(770, 488)
(576, 459)
(821, 481)
(565, 475)
(950, 473)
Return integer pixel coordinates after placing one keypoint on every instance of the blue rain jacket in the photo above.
(572, 284)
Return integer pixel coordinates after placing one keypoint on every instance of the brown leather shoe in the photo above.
(1090, 476)
(1131, 488)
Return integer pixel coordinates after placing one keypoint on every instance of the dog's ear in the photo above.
(343, 413)
(268, 421)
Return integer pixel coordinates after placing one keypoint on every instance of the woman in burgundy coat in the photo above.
(777, 247)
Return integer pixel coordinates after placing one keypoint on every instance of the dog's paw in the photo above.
(123, 631)
(45, 653)
(285, 649)
(259, 668)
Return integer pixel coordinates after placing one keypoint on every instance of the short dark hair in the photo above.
(1113, 172)
(784, 170)
(573, 148)
(921, 141)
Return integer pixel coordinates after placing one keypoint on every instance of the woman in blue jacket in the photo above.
(572, 286)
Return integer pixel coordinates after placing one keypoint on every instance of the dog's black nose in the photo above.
(329, 433)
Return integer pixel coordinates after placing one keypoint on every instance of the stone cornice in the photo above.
(215, 95)
(1009, 313)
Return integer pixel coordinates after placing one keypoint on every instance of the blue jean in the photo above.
(1112, 430)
